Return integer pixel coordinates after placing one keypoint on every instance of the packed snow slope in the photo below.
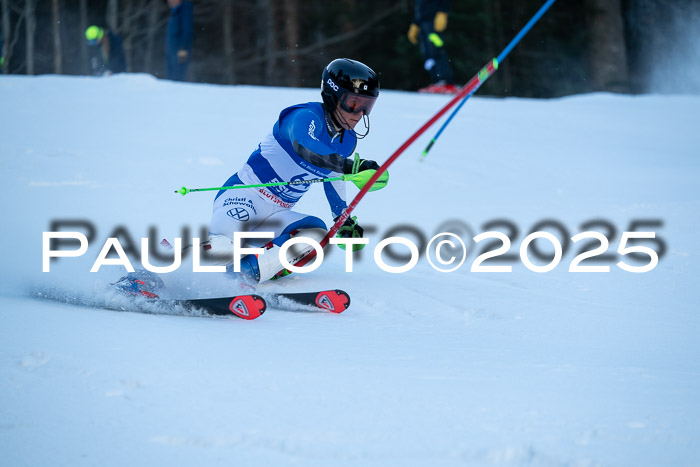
(426, 367)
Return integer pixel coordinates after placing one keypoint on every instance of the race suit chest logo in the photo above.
(312, 130)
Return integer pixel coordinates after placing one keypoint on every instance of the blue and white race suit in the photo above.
(303, 145)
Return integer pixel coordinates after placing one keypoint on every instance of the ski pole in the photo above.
(485, 73)
(346, 178)
(470, 87)
(383, 168)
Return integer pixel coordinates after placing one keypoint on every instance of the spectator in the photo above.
(429, 22)
(178, 41)
(106, 51)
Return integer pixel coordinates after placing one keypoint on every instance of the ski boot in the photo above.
(140, 284)
(281, 274)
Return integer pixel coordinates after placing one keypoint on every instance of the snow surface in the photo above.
(425, 368)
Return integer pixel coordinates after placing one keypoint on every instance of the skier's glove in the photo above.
(357, 165)
(350, 229)
(440, 21)
(361, 170)
(413, 31)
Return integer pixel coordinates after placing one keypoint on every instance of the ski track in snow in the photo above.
(424, 368)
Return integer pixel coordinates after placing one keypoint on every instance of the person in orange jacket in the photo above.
(429, 22)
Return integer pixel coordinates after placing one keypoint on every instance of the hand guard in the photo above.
(350, 229)
(362, 170)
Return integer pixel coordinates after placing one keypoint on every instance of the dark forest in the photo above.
(578, 46)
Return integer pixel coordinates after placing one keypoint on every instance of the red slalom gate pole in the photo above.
(473, 83)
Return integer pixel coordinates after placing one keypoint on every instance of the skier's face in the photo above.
(347, 120)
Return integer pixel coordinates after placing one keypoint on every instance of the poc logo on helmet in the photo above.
(332, 84)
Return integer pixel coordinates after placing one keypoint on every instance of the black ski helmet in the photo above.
(343, 78)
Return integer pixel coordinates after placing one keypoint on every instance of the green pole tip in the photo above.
(183, 191)
(435, 39)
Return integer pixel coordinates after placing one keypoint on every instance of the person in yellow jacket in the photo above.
(429, 22)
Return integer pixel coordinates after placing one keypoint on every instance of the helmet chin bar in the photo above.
(365, 122)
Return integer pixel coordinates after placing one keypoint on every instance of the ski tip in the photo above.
(335, 301)
(247, 306)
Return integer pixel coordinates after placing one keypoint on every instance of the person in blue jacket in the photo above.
(178, 41)
(429, 23)
(106, 53)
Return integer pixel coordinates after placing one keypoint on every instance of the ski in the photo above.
(252, 306)
(249, 306)
(244, 306)
(335, 301)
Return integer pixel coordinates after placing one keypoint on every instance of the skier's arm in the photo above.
(335, 194)
(304, 132)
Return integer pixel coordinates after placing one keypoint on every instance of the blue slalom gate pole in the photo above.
(488, 70)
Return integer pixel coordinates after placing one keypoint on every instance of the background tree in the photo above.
(112, 15)
(292, 37)
(229, 49)
(7, 46)
(83, 25)
(30, 29)
(606, 45)
(56, 29)
(613, 45)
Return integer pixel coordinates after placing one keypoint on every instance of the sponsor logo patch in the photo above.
(238, 214)
(239, 201)
(332, 84)
(238, 307)
(275, 199)
(324, 301)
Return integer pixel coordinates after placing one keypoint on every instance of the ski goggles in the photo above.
(357, 103)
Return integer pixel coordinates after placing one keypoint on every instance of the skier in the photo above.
(308, 141)
(429, 22)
